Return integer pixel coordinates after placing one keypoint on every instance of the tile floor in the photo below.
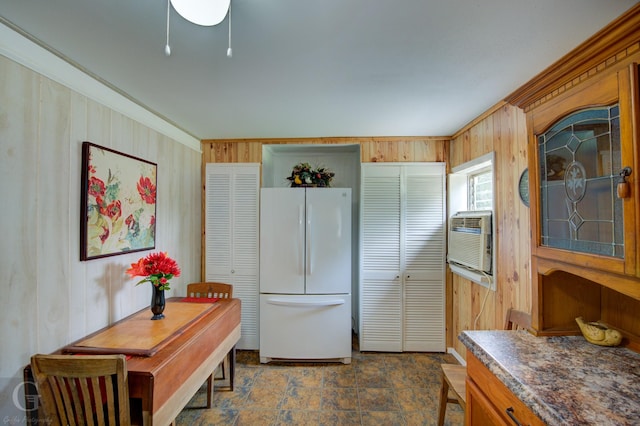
(375, 389)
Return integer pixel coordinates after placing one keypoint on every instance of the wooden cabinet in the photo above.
(490, 402)
(579, 144)
(402, 257)
(231, 237)
(584, 241)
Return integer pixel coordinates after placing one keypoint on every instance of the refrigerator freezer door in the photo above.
(328, 241)
(282, 243)
(305, 327)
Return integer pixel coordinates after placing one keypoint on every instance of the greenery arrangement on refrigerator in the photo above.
(303, 175)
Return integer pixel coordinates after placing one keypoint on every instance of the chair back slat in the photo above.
(61, 399)
(86, 403)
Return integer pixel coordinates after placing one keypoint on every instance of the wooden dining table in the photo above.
(168, 360)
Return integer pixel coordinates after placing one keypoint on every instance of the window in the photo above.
(481, 190)
(471, 185)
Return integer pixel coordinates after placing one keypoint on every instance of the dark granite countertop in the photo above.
(564, 380)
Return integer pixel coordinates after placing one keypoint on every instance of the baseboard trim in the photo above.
(457, 356)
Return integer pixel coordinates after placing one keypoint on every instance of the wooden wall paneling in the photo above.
(515, 229)
(169, 180)
(456, 151)
(206, 158)
(365, 151)
(194, 183)
(249, 152)
(566, 297)
(52, 172)
(244, 151)
(448, 297)
(429, 150)
(462, 311)
(620, 311)
(503, 131)
(523, 220)
(206, 153)
(19, 88)
(475, 148)
(227, 152)
(406, 150)
(77, 278)
(386, 149)
(487, 136)
(483, 302)
(503, 217)
(379, 151)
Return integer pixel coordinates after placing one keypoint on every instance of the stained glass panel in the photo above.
(579, 163)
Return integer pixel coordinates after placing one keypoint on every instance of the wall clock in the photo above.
(523, 187)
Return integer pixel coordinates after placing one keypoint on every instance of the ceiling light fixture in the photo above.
(229, 51)
(206, 13)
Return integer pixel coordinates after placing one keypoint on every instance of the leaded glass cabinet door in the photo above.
(579, 162)
(582, 140)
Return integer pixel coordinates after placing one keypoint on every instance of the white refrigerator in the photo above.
(305, 274)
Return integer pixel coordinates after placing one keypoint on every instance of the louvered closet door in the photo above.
(232, 238)
(380, 283)
(402, 283)
(423, 258)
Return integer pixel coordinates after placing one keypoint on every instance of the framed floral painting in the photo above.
(118, 203)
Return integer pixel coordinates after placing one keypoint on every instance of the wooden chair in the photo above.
(214, 290)
(89, 390)
(210, 290)
(517, 320)
(453, 389)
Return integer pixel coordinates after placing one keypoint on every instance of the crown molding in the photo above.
(24, 49)
(596, 53)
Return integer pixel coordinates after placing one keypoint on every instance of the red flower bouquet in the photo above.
(157, 268)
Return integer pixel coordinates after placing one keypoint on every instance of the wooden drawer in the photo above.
(484, 389)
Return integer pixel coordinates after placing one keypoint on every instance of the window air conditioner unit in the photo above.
(470, 240)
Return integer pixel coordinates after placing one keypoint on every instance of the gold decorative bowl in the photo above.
(598, 333)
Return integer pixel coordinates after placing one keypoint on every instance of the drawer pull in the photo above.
(513, 416)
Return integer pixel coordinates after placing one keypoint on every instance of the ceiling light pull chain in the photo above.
(167, 48)
(229, 51)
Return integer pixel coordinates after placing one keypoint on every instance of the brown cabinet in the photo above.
(490, 402)
(579, 144)
(583, 125)
(584, 224)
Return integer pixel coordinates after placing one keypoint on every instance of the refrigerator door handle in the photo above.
(305, 303)
(309, 235)
(301, 254)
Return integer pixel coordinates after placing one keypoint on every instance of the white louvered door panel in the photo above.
(424, 258)
(232, 238)
(380, 290)
(218, 224)
(402, 303)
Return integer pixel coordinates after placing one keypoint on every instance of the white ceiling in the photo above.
(314, 69)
